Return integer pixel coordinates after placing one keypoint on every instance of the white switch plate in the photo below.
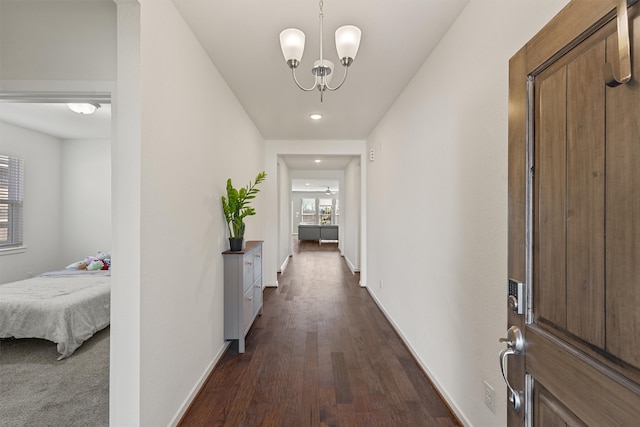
(489, 397)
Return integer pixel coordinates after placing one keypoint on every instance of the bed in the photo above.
(66, 307)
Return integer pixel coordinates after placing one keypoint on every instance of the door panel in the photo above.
(550, 412)
(598, 395)
(579, 151)
(550, 189)
(585, 196)
(569, 196)
(623, 213)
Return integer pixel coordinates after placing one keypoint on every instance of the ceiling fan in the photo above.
(328, 192)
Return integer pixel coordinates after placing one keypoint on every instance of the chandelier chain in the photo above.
(321, 37)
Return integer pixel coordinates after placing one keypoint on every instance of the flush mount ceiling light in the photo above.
(83, 108)
(347, 44)
(315, 116)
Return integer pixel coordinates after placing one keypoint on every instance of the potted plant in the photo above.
(236, 208)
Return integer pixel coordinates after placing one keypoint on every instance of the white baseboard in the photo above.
(284, 265)
(352, 267)
(196, 388)
(424, 367)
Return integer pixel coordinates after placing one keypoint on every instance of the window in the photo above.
(308, 211)
(11, 193)
(325, 211)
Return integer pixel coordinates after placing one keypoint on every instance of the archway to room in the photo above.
(82, 227)
(315, 202)
(315, 211)
(303, 181)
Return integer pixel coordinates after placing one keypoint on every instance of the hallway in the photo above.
(322, 354)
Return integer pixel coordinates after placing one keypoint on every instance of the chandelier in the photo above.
(347, 43)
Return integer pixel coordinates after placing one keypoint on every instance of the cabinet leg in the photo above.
(241, 345)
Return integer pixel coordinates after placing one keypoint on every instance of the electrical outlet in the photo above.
(489, 397)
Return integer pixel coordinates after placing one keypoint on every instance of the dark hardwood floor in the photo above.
(322, 354)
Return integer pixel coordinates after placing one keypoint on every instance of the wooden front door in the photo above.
(574, 222)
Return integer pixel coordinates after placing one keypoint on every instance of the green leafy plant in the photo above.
(236, 205)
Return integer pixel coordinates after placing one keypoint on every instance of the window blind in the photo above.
(11, 196)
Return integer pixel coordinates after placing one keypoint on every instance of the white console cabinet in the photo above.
(242, 291)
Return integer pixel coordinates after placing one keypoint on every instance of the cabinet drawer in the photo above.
(248, 264)
(257, 265)
(247, 309)
(257, 295)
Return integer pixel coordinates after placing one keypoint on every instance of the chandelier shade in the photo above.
(347, 40)
(292, 44)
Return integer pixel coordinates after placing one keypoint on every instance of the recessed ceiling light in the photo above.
(315, 116)
(307, 184)
(317, 160)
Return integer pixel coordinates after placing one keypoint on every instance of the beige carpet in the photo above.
(38, 390)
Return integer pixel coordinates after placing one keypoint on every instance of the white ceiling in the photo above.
(304, 162)
(315, 185)
(307, 163)
(242, 39)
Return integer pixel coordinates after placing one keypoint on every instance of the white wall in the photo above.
(437, 203)
(43, 39)
(186, 159)
(41, 207)
(350, 211)
(1, 41)
(86, 198)
(124, 357)
(284, 215)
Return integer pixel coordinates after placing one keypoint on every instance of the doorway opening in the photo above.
(67, 220)
(320, 200)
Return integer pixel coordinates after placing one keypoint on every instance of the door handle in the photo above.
(514, 340)
(620, 72)
(515, 345)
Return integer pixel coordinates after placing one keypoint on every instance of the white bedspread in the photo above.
(67, 310)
